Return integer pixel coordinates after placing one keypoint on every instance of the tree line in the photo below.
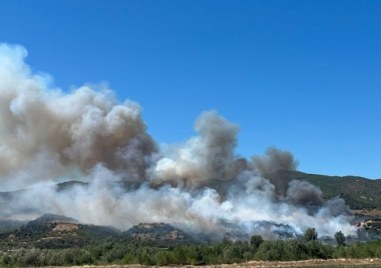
(127, 251)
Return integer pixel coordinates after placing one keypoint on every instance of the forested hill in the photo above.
(358, 192)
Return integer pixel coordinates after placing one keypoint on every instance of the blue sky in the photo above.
(304, 76)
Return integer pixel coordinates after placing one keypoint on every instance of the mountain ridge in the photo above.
(358, 192)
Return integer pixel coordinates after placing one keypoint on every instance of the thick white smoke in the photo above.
(49, 136)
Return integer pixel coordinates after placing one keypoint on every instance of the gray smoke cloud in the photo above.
(44, 133)
(304, 193)
(204, 159)
(274, 160)
(202, 185)
(272, 166)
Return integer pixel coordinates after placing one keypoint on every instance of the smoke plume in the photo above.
(49, 136)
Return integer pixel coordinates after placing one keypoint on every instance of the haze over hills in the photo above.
(358, 193)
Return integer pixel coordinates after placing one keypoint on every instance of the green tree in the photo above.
(310, 234)
(7, 260)
(340, 238)
(256, 240)
(278, 250)
(199, 257)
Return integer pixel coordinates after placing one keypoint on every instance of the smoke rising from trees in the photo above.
(48, 136)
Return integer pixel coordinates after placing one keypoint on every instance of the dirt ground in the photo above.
(308, 263)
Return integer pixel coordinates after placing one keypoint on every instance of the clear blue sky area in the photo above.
(304, 76)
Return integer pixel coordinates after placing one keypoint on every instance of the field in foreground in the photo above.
(348, 263)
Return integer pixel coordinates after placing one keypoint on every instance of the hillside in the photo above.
(159, 234)
(54, 231)
(10, 225)
(59, 232)
(358, 192)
